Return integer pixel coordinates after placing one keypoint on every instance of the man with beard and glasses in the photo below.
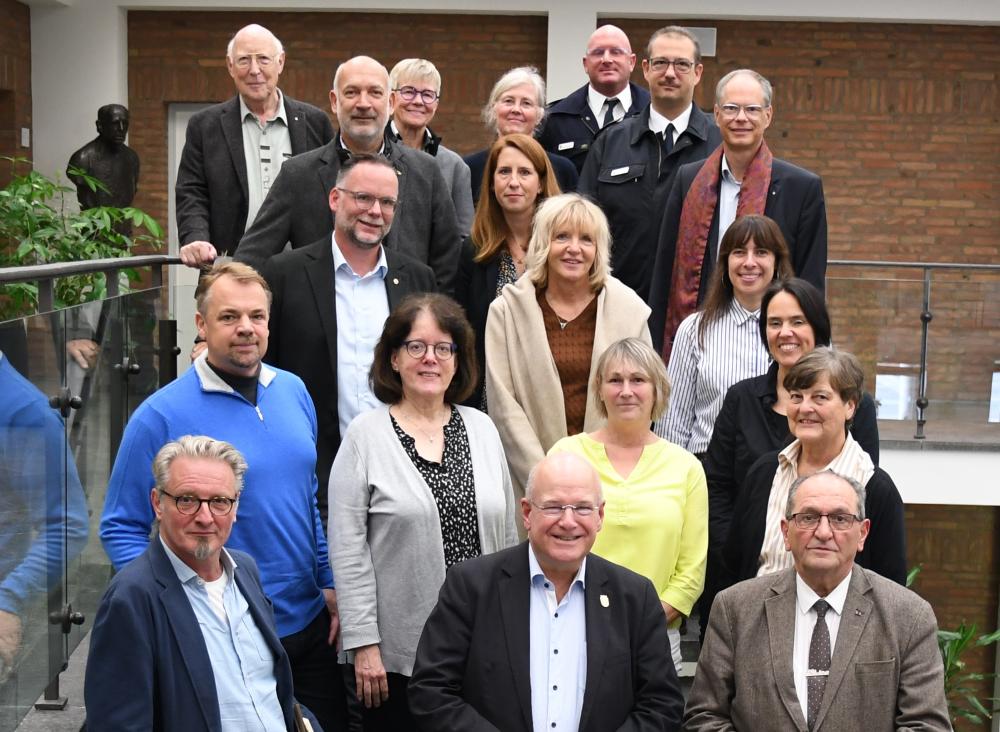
(266, 413)
(184, 637)
(297, 209)
(332, 297)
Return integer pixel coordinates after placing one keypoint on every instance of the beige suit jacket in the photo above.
(523, 392)
(886, 671)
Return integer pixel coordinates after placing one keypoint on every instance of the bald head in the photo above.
(609, 60)
(255, 59)
(360, 99)
(563, 469)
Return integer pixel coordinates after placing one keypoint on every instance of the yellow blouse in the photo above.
(656, 520)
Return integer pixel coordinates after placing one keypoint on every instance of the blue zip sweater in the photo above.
(278, 521)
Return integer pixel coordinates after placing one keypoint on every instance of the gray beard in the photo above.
(203, 551)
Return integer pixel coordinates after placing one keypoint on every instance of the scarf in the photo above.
(696, 222)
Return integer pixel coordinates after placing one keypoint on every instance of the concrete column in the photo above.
(79, 56)
(570, 25)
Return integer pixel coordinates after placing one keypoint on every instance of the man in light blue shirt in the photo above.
(545, 636)
(185, 638)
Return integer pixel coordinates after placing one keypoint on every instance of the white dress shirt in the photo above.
(658, 123)
(805, 621)
(729, 201)
(265, 147)
(596, 100)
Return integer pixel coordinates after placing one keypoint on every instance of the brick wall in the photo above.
(903, 124)
(15, 81)
(179, 57)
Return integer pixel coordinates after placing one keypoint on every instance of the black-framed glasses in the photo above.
(409, 93)
(554, 511)
(365, 201)
(190, 505)
(681, 65)
(443, 350)
(838, 521)
(732, 111)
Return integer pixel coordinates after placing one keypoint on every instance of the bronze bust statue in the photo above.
(108, 159)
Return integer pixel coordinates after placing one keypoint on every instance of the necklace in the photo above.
(431, 436)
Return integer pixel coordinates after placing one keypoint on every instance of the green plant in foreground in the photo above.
(37, 228)
(962, 700)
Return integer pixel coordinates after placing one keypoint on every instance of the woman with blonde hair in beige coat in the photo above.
(545, 332)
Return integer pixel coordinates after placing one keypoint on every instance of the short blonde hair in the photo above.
(415, 69)
(640, 355)
(198, 447)
(577, 214)
(242, 273)
(515, 77)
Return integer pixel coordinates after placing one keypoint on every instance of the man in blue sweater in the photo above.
(266, 413)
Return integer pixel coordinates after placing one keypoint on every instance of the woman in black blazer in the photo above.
(825, 388)
(519, 177)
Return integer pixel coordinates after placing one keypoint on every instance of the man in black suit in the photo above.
(545, 634)
(742, 177)
(331, 298)
(234, 150)
(632, 164)
(297, 210)
(572, 123)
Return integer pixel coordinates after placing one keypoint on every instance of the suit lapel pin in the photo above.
(858, 612)
(395, 280)
(605, 602)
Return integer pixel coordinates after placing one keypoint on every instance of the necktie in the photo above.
(609, 116)
(668, 139)
(819, 661)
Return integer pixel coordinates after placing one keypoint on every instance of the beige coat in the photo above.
(523, 392)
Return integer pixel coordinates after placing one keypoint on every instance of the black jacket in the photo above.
(211, 190)
(795, 202)
(303, 325)
(475, 290)
(570, 128)
(628, 176)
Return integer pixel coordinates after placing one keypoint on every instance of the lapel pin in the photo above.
(605, 602)
(395, 280)
(858, 613)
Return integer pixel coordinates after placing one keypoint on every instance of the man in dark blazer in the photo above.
(632, 164)
(739, 178)
(215, 202)
(572, 123)
(149, 665)
(825, 645)
(544, 633)
(307, 286)
(297, 211)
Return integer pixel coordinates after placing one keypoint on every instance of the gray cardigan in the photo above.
(384, 524)
(459, 181)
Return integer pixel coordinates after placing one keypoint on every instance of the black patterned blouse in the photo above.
(453, 486)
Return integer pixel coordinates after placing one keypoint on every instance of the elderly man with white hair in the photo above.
(234, 150)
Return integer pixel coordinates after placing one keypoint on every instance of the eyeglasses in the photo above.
(838, 521)
(614, 51)
(681, 65)
(243, 62)
(190, 505)
(732, 111)
(553, 511)
(365, 201)
(409, 93)
(443, 350)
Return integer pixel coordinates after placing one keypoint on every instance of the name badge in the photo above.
(619, 171)
(565, 145)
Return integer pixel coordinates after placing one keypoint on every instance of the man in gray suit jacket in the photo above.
(297, 209)
(824, 645)
(234, 150)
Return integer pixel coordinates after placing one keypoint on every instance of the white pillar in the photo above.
(570, 26)
(79, 56)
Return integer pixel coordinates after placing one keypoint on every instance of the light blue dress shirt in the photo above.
(558, 643)
(729, 201)
(362, 309)
(242, 663)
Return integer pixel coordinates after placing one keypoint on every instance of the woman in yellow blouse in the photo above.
(656, 501)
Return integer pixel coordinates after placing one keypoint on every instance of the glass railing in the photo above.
(69, 380)
(929, 339)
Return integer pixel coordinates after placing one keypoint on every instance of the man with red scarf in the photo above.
(741, 177)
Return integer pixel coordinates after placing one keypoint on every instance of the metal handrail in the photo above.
(926, 314)
(44, 274)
